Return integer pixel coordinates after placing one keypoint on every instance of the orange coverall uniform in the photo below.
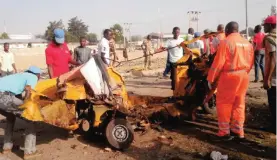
(230, 69)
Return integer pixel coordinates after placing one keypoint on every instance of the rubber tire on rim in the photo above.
(110, 138)
(210, 109)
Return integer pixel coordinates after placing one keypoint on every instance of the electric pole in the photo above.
(126, 28)
(194, 17)
(246, 14)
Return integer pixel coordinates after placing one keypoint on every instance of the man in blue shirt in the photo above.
(12, 87)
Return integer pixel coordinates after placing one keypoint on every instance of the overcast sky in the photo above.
(33, 16)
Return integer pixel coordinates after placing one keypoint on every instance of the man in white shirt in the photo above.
(104, 47)
(174, 54)
(199, 44)
(7, 61)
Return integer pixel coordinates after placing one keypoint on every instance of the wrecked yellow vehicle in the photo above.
(91, 97)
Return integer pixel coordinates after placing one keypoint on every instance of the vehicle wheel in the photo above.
(119, 134)
(210, 107)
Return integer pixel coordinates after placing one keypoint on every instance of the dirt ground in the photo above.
(189, 140)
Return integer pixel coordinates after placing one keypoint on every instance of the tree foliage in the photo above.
(118, 31)
(136, 38)
(53, 25)
(92, 37)
(77, 28)
(4, 35)
(250, 31)
(70, 38)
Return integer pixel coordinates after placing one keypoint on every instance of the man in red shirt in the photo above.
(259, 51)
(58, 55)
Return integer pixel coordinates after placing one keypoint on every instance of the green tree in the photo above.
(250, 31)
(77, 28)
(70, 38)
(136, 38)
(52, 25)
(118, 31)
(4, 35)
(92, 37)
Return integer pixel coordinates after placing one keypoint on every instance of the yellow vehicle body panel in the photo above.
(181, 78)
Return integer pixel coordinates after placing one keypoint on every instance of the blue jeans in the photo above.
(259, 63)
(167, 67)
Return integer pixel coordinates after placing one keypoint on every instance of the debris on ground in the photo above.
(166, 140)
(107, 149)
(215, 155)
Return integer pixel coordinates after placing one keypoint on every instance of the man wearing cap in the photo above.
(270, 65)
(11, 88)
(198, 44)
(58, 55)
(207, 39)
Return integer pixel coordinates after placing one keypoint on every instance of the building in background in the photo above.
(21, 36)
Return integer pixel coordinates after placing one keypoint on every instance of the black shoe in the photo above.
(222, 138)
(255, 81)
(238, 138)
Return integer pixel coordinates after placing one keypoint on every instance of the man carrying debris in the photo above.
(12, 87)
(147, 51)
(104, 46)
(82, 54)
(270, 66)
(58, 55)
(220, 36)
(7, 61)
(230, 73)
(174, 54)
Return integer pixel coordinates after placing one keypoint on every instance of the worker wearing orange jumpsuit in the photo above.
(230, 73)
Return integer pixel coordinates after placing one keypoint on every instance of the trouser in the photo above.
(271, 95)
(259, 63)
(230, 102)
(172, 75)
(167, 67)
(147, 60)
(8, 104)
(5, 73)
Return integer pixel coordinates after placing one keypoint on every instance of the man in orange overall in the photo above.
(230, 73)
(220, 36)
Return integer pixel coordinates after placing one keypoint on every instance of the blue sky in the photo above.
(32, 16)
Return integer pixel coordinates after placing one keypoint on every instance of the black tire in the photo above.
(119, 134)
(210, 107)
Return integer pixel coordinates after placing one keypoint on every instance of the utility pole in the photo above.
(126, 28)
(246, 14)
(5, 28)
(194, 17)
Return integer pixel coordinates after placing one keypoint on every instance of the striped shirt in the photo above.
(82, 54)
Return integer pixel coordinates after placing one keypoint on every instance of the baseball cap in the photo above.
(59, 35)
(197, 34)
(270, 20)
(34, 69)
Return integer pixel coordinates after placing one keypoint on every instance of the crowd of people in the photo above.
(229, 72)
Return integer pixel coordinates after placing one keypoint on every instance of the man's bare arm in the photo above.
(272, 64)
(14, 67)
(103, 58)
(27, 90)
(50, 71)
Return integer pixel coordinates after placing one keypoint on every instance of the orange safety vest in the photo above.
(221, 36)
(234, 54)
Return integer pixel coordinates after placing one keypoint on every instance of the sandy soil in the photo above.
(191, 140)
